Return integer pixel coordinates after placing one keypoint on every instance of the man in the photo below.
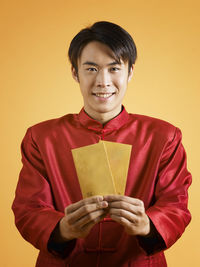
(113, 230)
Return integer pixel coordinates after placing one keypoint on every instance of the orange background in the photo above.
(36, 85)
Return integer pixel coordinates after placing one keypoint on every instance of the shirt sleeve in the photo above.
(169, 213)
(62, 249)
(33, 206)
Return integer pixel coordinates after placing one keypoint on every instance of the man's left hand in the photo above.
(130, 213)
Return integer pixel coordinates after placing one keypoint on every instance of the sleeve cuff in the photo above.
(153, 242)
(61, 249)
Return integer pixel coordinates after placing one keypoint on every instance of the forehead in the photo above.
(97, 52)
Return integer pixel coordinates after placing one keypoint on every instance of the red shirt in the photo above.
(48, 183)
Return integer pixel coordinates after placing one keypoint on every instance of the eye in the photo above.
(114, 69)
(91, 69)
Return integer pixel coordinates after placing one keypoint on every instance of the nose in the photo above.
(103, 79)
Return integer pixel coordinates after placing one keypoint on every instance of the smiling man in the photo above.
(103, 81)
(113, 230)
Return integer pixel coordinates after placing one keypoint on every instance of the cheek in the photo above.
(121, 83)
(86, 83)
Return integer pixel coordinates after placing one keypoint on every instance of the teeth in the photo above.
(103, 95)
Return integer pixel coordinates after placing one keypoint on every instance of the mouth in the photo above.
(103, 95)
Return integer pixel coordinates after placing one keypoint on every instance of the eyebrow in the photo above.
(96, 65)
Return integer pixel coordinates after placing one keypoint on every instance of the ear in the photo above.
(74, 74)
(130, 73)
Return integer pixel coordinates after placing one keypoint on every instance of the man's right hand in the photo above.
(81, 216)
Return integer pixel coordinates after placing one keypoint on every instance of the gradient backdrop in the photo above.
(36, 85)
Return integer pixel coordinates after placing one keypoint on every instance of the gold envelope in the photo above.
(93, 170)
(118, 156)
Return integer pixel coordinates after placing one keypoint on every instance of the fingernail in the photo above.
(100, 198)
(104, 204)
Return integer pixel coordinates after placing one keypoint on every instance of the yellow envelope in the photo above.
(119, 157)
(93, 170)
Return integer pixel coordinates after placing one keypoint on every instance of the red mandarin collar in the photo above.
(114, 124)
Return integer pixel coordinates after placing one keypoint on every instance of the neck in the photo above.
(103, 117)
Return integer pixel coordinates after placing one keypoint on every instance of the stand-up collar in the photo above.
(115, 123)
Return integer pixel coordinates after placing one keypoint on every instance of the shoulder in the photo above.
(155, 127)
(52, 127)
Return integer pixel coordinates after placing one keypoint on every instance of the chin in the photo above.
(104, 109)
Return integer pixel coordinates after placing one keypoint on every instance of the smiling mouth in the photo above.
(103, 95)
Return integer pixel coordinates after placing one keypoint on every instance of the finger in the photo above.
(138, 210)
(86, 210)
(121, 220)
(91, 217)
(77, 205)
(89, 225)
(131, 200)
(129, 216)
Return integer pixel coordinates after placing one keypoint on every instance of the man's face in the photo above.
(102, 80)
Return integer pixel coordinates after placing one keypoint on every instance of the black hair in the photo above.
(110, 34)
